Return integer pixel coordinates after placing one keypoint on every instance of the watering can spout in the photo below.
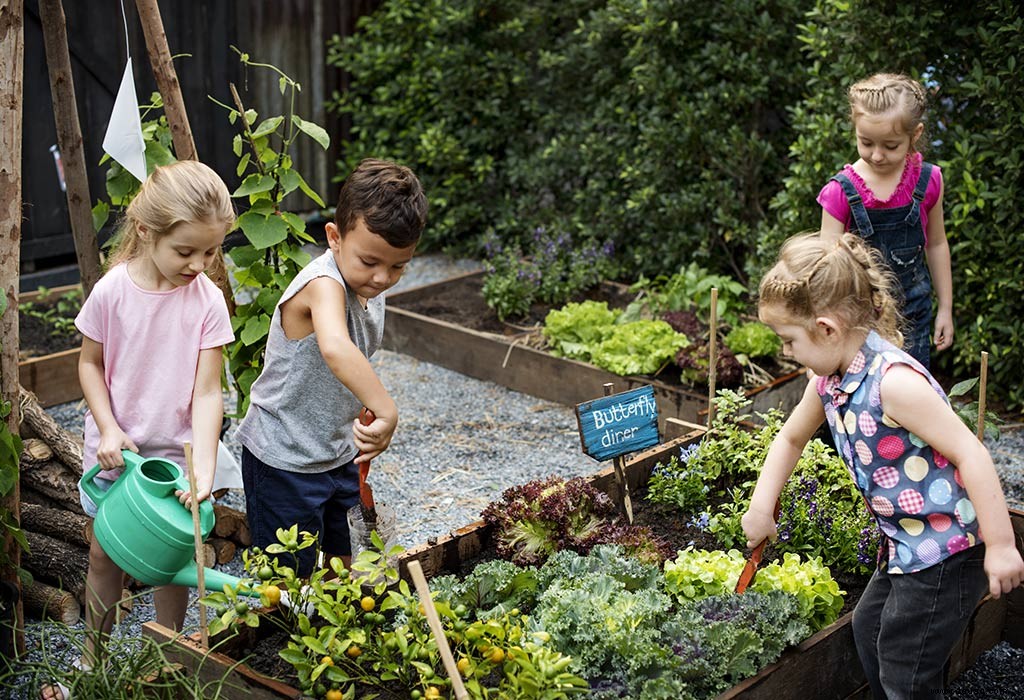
(213, 580)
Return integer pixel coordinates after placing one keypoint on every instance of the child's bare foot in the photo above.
(54, 691)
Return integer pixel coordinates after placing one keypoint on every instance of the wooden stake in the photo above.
(712, 355)
(166, 79)
(200, 553)
(982, 389)
(420, 581)
(12, 57)
(620, 474)
(69, 139)
(177, 118)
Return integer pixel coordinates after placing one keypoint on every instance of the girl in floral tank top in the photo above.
(927, 480)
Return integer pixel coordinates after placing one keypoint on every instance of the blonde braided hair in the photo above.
(885, 93)
(845, 279)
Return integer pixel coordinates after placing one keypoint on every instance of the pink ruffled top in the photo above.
(833, 200)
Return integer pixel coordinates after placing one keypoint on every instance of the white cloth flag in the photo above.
(123, 140)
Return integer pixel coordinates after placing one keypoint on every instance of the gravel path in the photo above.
(462, 441)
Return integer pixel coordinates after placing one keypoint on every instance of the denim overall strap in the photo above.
(861, 220)
(914, 215)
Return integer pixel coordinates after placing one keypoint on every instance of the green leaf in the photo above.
(961, 388)
(254, 184)
(244, 255)
(243, 163)
(100, 215)
(256, 328)
(314, 131)
(268, 127)
(309, 191)
(263, 231)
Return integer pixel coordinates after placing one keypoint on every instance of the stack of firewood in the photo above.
(58, 531)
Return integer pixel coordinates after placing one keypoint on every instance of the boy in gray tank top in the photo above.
(301, 440)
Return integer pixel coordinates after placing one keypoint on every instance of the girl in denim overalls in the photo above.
(927, 480)
(894, 201)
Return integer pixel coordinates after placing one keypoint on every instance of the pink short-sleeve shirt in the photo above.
(151, 344)
(833, 200)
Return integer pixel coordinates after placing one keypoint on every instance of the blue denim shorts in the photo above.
(88, 506)
(317, 503)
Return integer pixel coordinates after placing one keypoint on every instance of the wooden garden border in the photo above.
(824, 665)
(52, 378)
(501, 360)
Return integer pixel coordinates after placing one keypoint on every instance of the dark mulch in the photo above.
(36, 337)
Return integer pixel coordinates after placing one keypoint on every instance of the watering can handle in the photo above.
(89, 486)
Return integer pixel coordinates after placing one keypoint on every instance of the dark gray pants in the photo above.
(905, 625)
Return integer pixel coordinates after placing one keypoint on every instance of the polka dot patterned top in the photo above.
(913, 491)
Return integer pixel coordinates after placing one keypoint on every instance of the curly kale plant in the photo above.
(491, 590)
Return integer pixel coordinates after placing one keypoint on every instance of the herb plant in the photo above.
(687, 290)
(551, 268)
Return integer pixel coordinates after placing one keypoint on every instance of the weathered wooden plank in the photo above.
(52, 378)
(235, 680)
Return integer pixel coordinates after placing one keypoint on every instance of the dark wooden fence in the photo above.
(290, 34)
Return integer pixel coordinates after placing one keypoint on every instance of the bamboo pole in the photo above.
(12, 57)
(204, 637)
(420, 581)
(69, 139)
(982, 390)
(712, 355)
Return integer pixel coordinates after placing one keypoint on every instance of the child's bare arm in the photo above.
(94, 387)
(207, 414)
(940, 266)
(908, 399)
(831, 227)
(325, 300)
(785, 451)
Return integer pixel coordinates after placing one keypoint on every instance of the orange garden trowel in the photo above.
(369, 511)
(750, 568)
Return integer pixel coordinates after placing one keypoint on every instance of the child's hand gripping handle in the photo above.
(93, 491)
(365, 492)
(750, 568)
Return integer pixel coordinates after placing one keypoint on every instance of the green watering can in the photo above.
(145, 530)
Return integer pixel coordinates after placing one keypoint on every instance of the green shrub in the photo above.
(656, 124)
(968, 55)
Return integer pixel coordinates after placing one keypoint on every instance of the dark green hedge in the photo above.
(694, 131)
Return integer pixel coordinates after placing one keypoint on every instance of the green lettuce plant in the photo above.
(639, 347)
(753, 340)
(577, 328)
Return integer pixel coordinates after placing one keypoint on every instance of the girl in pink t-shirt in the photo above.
(893, 199)
(153, 331)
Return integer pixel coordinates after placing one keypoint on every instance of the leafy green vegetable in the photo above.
(640, 347)
(577, 328)
(753, 340)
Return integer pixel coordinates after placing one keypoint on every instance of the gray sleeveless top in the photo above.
(300, 415)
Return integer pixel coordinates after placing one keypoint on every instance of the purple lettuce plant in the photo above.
(534, 520)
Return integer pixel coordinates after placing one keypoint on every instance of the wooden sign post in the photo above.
(616, 425)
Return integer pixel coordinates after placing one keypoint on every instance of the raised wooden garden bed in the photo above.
(502, 358)
(823, 666)
(52, 377)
